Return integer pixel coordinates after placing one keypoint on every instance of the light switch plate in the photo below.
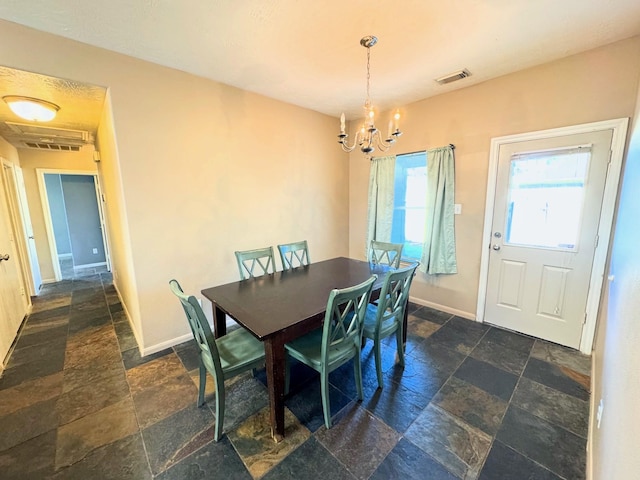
(457, 208)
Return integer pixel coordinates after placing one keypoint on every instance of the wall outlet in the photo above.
(457, 209)
(599, 414)
(95, 251)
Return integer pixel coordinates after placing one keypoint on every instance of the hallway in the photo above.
(78, 401)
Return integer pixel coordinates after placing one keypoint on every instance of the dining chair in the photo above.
(387, 317)
(294, 254)
(337, 342)
(253, 263)
(384, 253)
(225, 357)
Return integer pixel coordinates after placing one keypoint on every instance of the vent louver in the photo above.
(53, 147)
(452, 77)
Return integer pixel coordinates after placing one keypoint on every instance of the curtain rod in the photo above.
(453, 147)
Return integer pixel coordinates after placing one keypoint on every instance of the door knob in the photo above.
(4, 256)
(496, 247)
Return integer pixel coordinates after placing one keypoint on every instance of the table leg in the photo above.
(219, 322)
(275, 361)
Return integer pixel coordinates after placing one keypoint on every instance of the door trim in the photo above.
(619, 127)
(40, 172)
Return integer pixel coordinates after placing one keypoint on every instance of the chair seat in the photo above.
(238, 349)
(308, 349)
(386, 328)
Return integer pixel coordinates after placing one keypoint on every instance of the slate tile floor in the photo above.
(78, 401)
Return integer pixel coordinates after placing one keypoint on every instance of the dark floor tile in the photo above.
(126, 338)
(177, 436)
(471, 404)
(460, 334)
(435, 316)
(306, 404)
(81, 323)
(309, 461)
(556, 377)
(552, 446)
(408, 462)
(220, 458)
(510, 340)
(418, 329)
(28, 338)
(396, 405)
(189, 356)
(123, 459)
(95, 370)
(51, 349)
(27, 423)
(132, 358)
(487, 377)
(435, 355)
(562, 356)
(29, 393)
(552, 405)
(500, 356)
(33, 459)
(41, 367)
(450, 441)
(78, 439)
(91, 397)
(359, 440)
(503, 463)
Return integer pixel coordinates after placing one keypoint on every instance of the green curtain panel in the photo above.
(439, 250)
(380, 207)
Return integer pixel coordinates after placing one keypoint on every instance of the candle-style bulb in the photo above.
(342, 123)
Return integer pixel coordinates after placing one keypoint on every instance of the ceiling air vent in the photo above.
(453, 77)
(53, 147)
(52, 134)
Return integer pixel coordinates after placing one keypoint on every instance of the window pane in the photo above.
(409, 203)
(546, 192)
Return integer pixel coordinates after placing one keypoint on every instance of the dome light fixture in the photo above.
(32, 109)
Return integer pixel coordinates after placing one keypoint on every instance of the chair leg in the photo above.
(203, 384)
(357, 373)
(378, 355)
(220, 394)
(326, 405)
(400, 346)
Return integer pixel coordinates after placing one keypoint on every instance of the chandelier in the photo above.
(368, 138)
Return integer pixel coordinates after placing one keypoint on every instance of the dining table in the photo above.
(282, 306)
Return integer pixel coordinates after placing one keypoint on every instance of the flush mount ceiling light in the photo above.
(32, 109)
(368, 138)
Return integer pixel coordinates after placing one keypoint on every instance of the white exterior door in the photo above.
(36, 277)
(548, 199)
(13, 302)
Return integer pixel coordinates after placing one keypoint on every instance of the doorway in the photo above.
(75, 223)
(549, 212)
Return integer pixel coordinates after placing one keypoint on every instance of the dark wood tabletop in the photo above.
(268, 304)
(283, 306)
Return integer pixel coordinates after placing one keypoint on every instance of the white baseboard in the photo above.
(169, 343)
(65, 255)
(89, 265)
(453, 311)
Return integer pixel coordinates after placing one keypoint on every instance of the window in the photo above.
(409, 203)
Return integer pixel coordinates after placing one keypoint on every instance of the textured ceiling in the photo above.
(308, 53)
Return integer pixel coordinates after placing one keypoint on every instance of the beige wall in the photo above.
(8, 151)
(206, 169)
(600, 84)
(31, 160)
(616, 352)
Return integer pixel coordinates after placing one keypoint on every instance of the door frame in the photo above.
(618, 141)
(40, 172)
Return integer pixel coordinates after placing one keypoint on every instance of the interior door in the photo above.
(36, 277)
(547, 209)
(13, 304)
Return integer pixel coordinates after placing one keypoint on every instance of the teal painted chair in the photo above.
(383, 253)
(386, 318)
(253, 263)
(337, 342)
(294, 254)
(225, 357)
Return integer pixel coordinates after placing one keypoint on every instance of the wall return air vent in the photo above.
(455, 76)
(49, 138)
(53, 147)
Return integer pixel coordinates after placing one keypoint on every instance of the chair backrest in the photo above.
(383, 253)
(294, 254)
(200, 329)
(344, 318)
(253, 263)
(394, 295)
